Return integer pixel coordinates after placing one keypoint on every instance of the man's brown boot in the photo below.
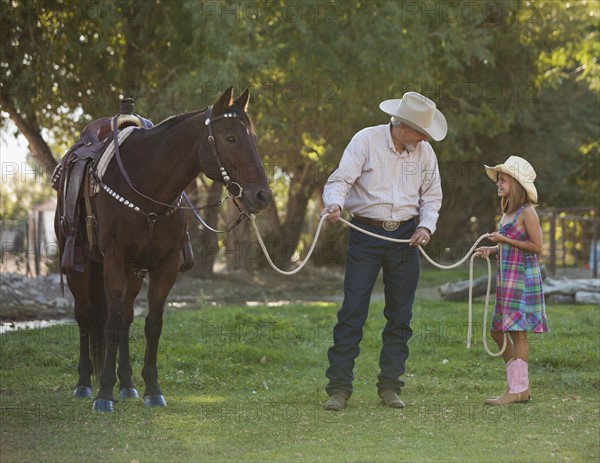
(391, 399)
(336, 402)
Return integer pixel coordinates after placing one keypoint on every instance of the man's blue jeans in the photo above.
(366, 256)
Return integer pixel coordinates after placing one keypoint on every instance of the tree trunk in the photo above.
(292, 227)
(240, 250)
(205, 242)
(40, 150)
(283, 238)
(459, 290)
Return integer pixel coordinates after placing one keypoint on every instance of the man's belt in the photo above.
(388, 225)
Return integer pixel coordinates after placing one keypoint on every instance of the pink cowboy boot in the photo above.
(517, 377)
(495, 397)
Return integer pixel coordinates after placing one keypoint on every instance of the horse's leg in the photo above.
(116, 329)
(78, 284)
(161, 282)
(125, 372)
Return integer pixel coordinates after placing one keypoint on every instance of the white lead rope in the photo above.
(396, 240)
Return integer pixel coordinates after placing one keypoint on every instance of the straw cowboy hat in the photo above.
(419, 112)
(519, 169)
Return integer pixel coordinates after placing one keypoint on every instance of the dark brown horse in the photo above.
(140, 228)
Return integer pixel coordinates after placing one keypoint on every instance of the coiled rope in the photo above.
(422, 251)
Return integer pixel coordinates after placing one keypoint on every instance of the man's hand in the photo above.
(420, 237)
(334, 212)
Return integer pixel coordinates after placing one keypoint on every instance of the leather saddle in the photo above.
(69, 175)
(72, 181)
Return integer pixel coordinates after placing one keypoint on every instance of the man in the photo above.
(388, 179)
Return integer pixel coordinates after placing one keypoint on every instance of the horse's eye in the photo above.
(230, 139)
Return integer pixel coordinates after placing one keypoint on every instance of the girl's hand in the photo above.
(485, 252)
(496, 237)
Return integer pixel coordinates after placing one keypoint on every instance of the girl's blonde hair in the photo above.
(516, 198)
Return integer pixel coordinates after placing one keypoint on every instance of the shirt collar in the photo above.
(388, 135)
(390, 141)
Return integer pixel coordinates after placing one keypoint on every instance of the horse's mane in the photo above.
(174, 120)
(169, 122)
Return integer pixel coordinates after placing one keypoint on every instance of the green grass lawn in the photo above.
(247, 384)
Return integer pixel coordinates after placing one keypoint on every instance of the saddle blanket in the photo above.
(108, 154)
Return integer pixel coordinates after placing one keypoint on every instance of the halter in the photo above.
(234, 189)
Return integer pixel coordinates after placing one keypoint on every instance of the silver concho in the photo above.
(390, 225)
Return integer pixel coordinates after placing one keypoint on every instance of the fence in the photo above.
(29, 246)
(571, 239)
(12, 237)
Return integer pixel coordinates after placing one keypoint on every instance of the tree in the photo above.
(56, 59)
(514, 77)
(310, 99)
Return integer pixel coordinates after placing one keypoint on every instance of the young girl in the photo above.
(519, 295)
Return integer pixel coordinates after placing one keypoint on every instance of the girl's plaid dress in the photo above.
(519, 294)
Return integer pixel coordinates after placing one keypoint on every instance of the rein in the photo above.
(241, 217)
(235, 189)
(422, 251)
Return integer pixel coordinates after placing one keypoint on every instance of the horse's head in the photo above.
(234, 147)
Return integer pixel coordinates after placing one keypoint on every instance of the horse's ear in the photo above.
(224, 102)
(242, 100)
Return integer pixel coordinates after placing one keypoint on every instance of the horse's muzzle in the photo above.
(257, 200)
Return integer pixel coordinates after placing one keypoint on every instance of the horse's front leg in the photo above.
(126, 388)
(116, 329)
(83, 315)
(161, 282)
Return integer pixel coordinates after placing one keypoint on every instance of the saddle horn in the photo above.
(126, 106)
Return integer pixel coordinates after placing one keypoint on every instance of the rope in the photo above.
(304, 261)
(422, 251)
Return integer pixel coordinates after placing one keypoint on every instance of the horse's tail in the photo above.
(99, 316)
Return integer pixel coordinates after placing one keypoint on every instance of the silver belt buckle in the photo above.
(390, 225)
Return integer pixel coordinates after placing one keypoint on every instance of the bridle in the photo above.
(213, 146)
(234, 189)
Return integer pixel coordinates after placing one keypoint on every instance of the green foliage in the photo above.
(45, 84)
(20, 193)
(515, 77)
(247, 384)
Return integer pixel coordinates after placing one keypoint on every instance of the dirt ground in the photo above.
(41, 298)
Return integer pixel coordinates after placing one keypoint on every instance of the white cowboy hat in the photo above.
(419, 112)
(519, 169)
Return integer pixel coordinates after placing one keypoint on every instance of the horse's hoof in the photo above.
(128, 393)
(103, 405)
(83, 392)
(156, 400)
